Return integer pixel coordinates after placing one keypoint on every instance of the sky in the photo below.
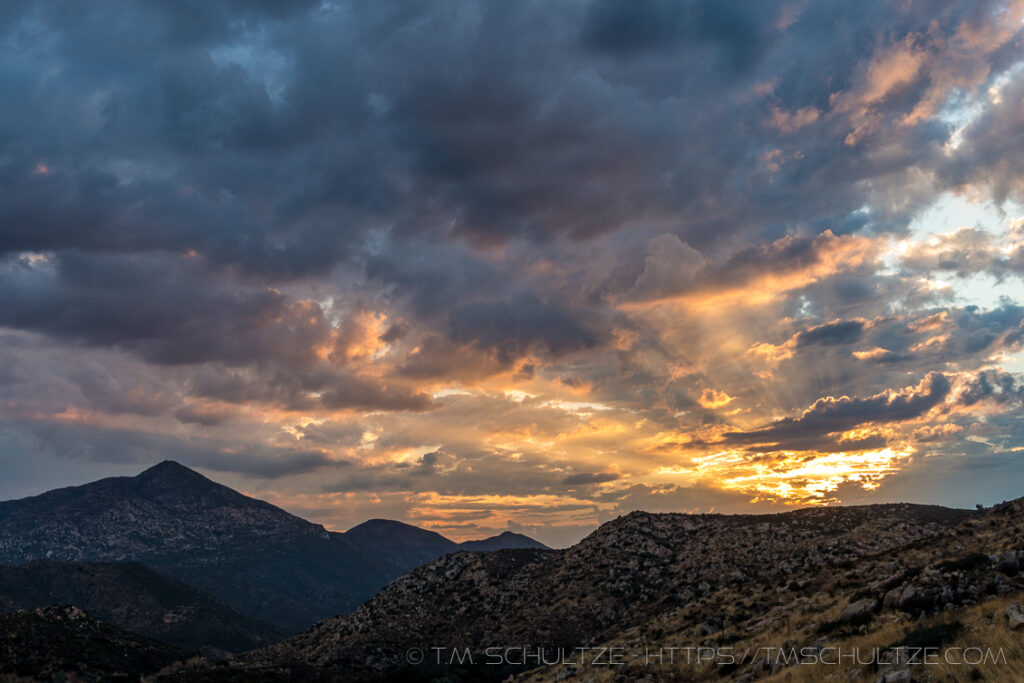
(487, 266)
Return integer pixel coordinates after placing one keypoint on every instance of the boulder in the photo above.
(1015, 616)
(859, 610)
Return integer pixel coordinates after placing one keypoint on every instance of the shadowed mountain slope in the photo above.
(623, 575)
(62, 643)
(254, 556)
(135, 598)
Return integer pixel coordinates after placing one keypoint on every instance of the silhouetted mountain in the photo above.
(628, 573)
(261, 560)
(135, 598)
(503, 541)
(413, 546)
(870, 577)
(404, 545)
(62, 643)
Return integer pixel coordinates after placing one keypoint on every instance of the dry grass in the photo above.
(981, 626)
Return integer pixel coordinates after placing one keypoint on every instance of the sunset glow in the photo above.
(495, 266)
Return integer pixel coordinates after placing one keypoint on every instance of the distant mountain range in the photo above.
(257, 558)
(677, 580)
(871, 577)
(626, 572)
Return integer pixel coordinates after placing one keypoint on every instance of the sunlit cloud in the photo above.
(515, 267)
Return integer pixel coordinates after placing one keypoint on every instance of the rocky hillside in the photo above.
(61, 643)
(135, 598)
(625, 574)
(755, 587)
(261, 560)
(168, 509)
(958, 590)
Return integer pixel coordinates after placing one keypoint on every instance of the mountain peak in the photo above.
(173, 478)
(169, 468)
(390, 530)
(380, 523)
(504, 540)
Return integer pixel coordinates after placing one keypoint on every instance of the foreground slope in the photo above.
(62, 643)
(959, 592)
(135, 598)
(624, 574)
(254, 556)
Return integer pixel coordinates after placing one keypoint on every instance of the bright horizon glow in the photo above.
(516, 266)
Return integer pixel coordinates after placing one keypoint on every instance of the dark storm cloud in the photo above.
(919, 340)
(296, 388)
(585, 478)
(70, 441)
(275, 138)
(978, 330)
(165, 309)
(1014, 338)
(992, 147)
(832, 333)
(830, 415)
(278, 138)
(622, 28)
(255, 343)
(997, 385)
(207, 416)
(355, 392)
(121, 393)
(299, 222)
(513, 328)
(471, 473)
(432, 278)
(969, 251)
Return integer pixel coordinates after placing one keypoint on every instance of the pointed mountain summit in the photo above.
(168, 509)
(259, 559)
(170, 469)
(173, 473)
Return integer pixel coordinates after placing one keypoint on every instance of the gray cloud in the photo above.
(830, 334)
(830, 415)
(311, 225)
(584, 478)
(512, 328)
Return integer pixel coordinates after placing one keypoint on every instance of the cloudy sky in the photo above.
(492, 265)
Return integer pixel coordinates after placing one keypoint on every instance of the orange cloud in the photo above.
(713, 398)
(828, 255)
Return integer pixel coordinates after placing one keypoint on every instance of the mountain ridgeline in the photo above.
(257, 558)
(876, 578)
(871, 577)
(623, 575)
